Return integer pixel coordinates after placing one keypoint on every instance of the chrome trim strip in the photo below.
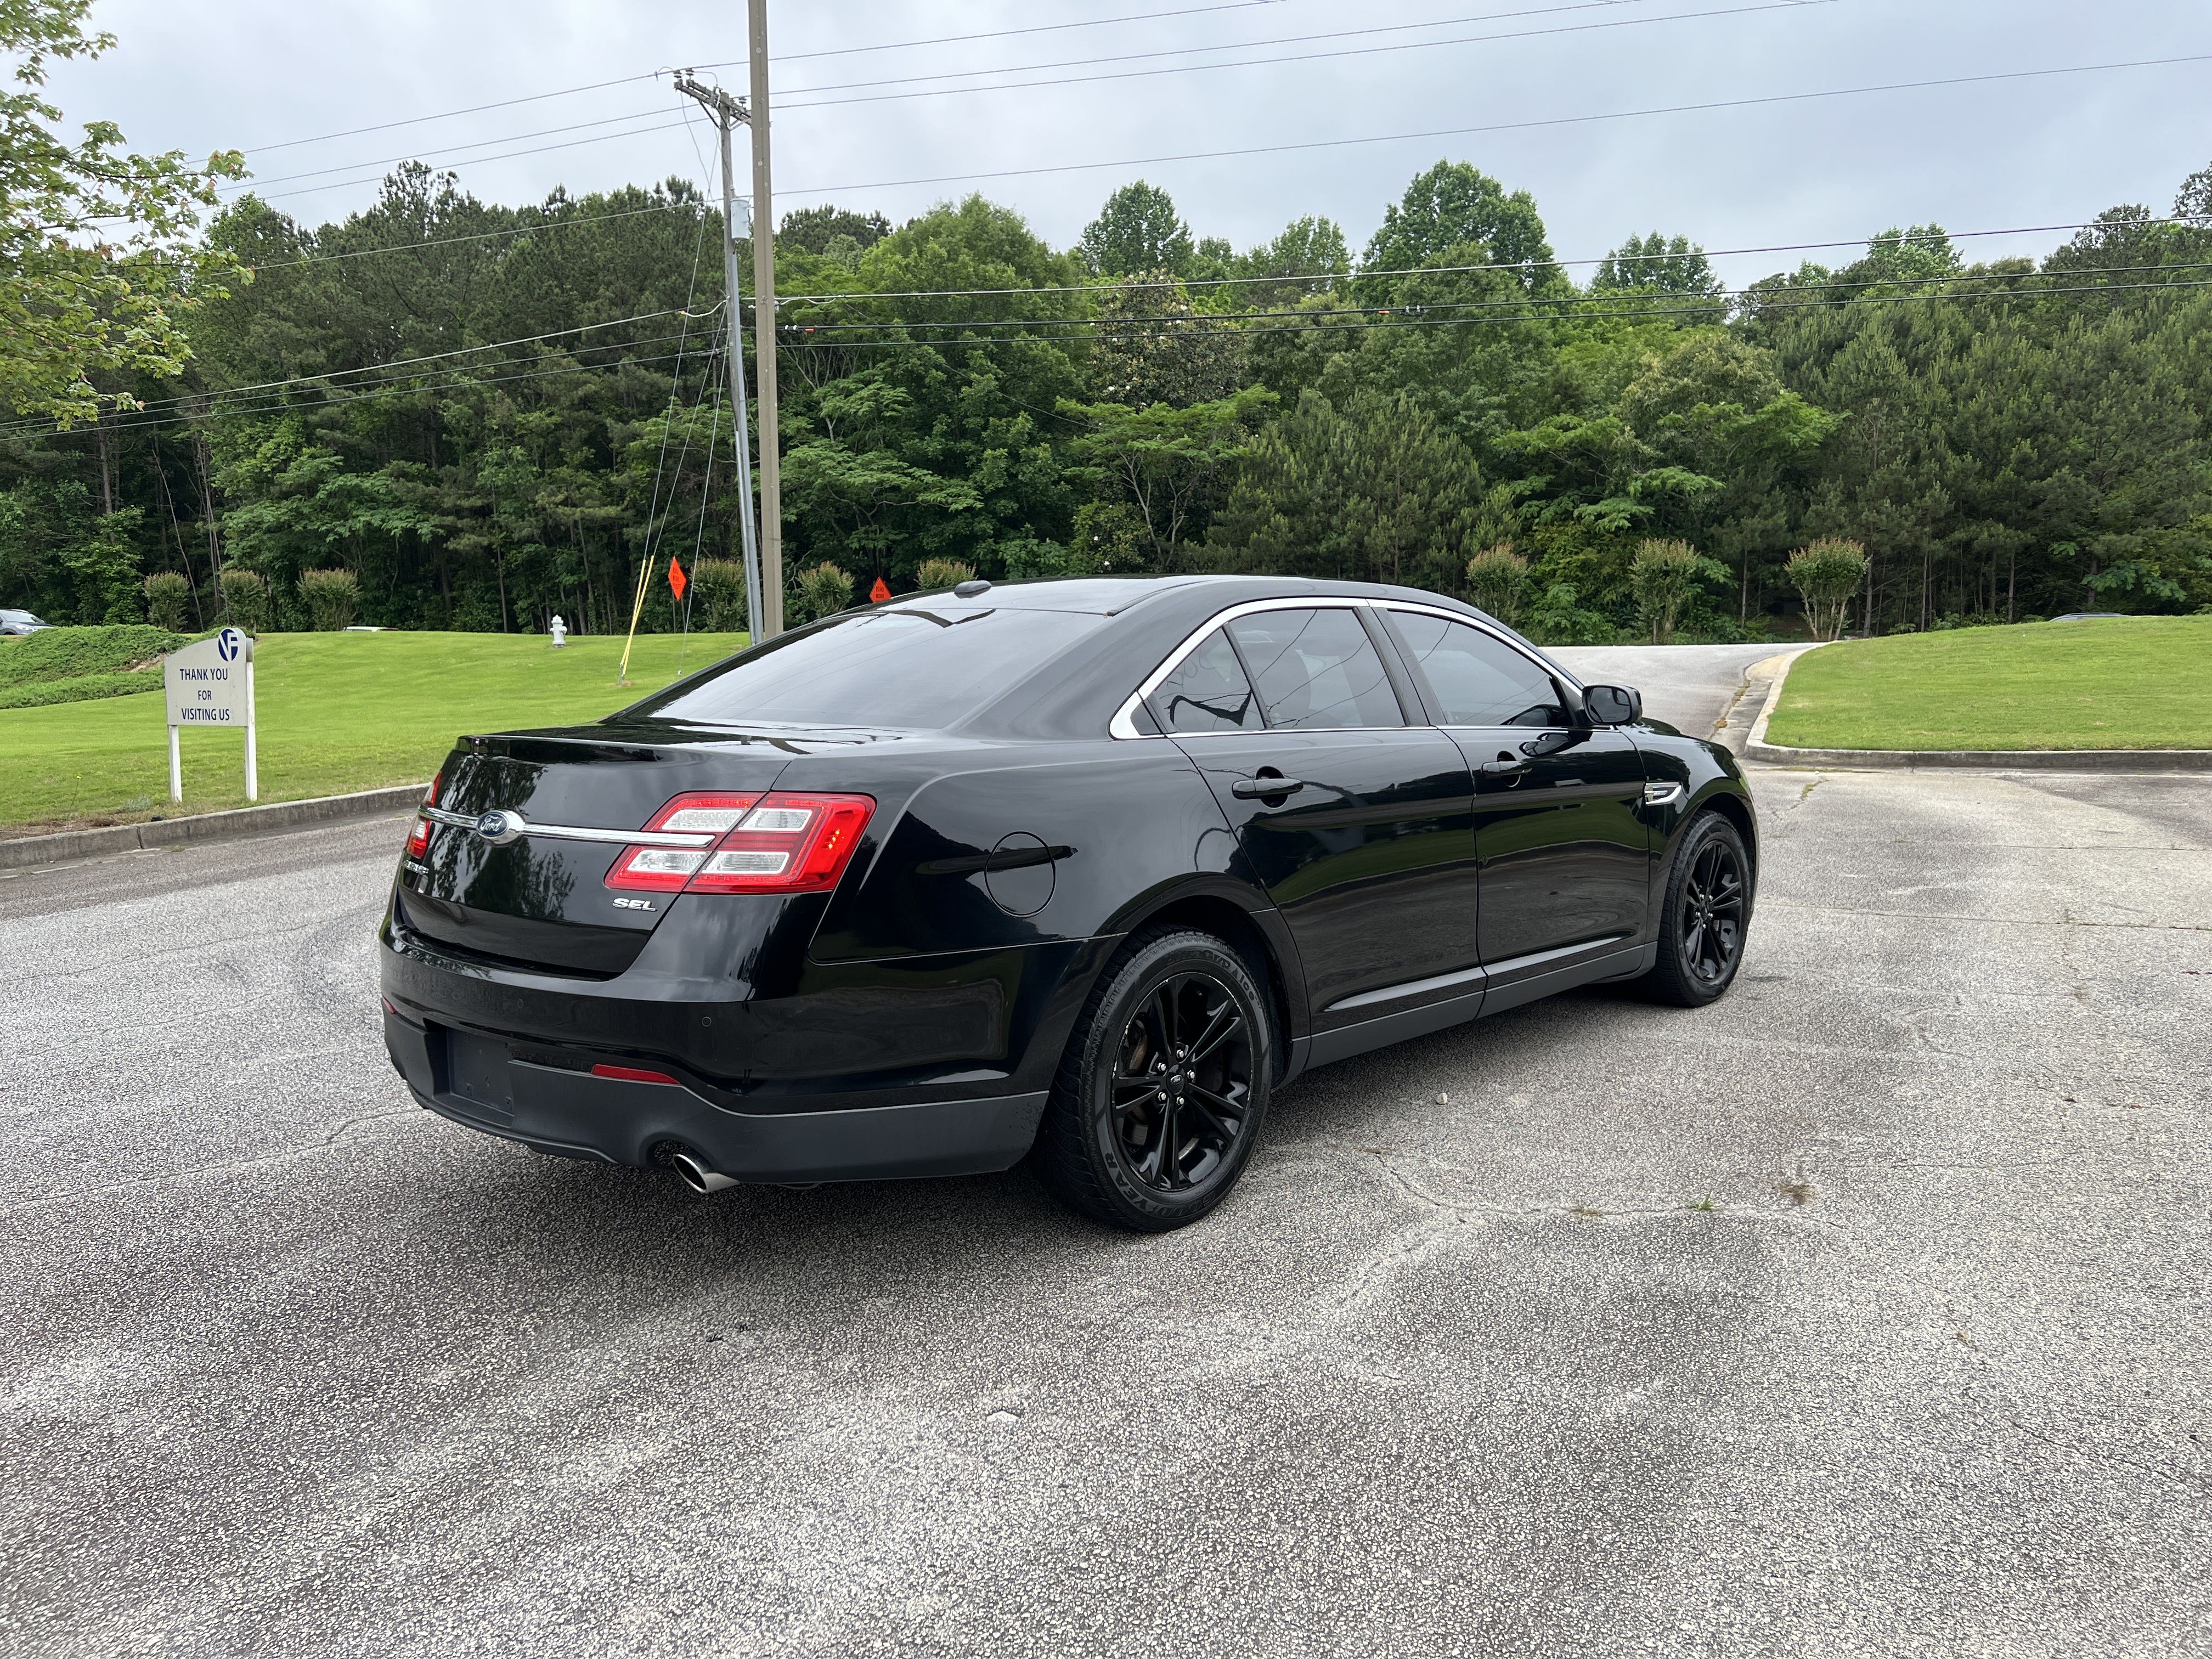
(1123, 725)
(689, 840)
(1664, 794)
(1515, 964)
(1468, 977)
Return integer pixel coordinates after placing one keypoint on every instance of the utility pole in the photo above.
(727, 112)
(771, 458)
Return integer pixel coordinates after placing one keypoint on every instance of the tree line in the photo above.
(444, 413)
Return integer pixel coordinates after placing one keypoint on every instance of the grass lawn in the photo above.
(338, 712)
(2131, 683)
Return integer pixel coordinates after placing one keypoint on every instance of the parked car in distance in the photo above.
(1086, 869)
(19, 622)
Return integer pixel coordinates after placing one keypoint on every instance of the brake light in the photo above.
(768, 844)
(418, 839)
(665, 869)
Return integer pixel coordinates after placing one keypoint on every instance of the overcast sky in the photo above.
(255, 73)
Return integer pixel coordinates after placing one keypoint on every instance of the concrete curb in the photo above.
(1980, 760)
(72, 844)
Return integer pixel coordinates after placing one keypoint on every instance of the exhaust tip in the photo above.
(697, 1176)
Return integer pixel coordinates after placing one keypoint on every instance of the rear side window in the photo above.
(911, 668)
(1206, 691)
(1477, 680)
(1316, 670)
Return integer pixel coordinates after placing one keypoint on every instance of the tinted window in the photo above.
(909, 667)
(1478, 680)
(1208, 692)
(1316, 670)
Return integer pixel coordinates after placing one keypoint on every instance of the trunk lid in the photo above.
(541, 902)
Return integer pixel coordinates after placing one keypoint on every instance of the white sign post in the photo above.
(211, 684)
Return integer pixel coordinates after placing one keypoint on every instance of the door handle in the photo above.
(1259, 788)
(1503, 767)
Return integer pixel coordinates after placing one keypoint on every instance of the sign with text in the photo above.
(210, 684)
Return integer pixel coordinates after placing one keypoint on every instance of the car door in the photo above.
(1559, 832)
(1365, 848)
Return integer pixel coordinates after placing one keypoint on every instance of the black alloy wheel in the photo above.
(1164, 1087)
(1707, 916)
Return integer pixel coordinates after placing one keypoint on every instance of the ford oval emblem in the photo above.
(497, 828)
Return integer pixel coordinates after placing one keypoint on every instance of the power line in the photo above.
(1502, 126)
(781, 57)
(1139, 284)
(1557, 304)
(1279, 41)
(1696, 309)
(804, 101)
(1216, 323)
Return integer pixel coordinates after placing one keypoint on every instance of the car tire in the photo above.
(1163, 1086)
(1705, 917)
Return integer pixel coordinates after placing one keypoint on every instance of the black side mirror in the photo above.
(1613, 705)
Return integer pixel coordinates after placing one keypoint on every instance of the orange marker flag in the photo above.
(879, 592)
(678, 581)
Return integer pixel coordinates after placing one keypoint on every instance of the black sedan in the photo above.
(1078, 870)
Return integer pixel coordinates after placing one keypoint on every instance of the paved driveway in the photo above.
(1863, 1313)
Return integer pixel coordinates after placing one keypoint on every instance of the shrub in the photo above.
(1663, 577)
(1497, 582)
(1827, 574)
(823, 591)
(244, 600)
(933, 574)
(167, 595)
(1557, 620)
(721, 585)
(332, 598)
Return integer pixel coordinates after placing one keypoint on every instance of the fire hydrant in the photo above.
(560, 631)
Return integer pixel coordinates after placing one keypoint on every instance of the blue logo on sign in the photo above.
(228, 643)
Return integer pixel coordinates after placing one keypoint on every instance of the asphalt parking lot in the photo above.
(1862, 1313)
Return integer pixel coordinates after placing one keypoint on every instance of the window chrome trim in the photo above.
(1123, 726)
(1519, 650)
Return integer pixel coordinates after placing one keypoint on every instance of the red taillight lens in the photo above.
(788, 844)
(418, 841)
(632, 1074)
(665, 869)
(769, 844)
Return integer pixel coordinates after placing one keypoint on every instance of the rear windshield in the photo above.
(912, 668)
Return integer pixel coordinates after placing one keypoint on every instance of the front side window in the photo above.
(1477, 680)
(1206, 691)
(1316, 671)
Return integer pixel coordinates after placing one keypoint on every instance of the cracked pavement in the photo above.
(1863, 1313)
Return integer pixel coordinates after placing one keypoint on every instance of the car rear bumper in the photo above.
(575, 1113)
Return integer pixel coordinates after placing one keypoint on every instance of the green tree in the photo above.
(97, 245)
(1137, 230)
(812, 230)
(1160, 471)
(1653, 265)
(1151, 345)
(1452, 206)
(1827, 573)
(1497, 582)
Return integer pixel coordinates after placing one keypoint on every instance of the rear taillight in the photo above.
(767, 844)
(665, 869)
(418, 841)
